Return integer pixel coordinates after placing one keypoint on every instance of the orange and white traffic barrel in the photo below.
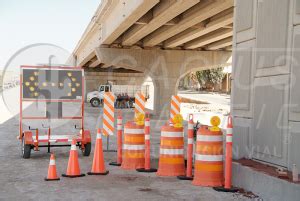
(171, 158)
(133, 147)
(208, 158)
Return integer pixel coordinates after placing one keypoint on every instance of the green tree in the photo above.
(210, 77)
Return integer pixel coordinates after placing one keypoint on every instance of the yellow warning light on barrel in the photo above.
(73, 89)
(27, 84)
(215, 122)
(31, 88)
(31, 78)
(70, 74)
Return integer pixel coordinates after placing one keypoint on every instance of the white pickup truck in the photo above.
(96, 97)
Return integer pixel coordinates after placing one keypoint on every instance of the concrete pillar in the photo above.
(165, 67)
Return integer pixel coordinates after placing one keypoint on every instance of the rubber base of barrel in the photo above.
(183, 177)
(228, 190)
(146, 170)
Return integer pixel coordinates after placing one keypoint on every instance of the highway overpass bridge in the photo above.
(165, 39)
(160, 39)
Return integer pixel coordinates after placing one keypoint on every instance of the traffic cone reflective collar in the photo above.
(228, 161)
(189, 168)
(73, 169)
(119, 142)
(52, 174)
(98, 167)
(147, 149)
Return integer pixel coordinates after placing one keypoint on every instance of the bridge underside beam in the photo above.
(165, 67)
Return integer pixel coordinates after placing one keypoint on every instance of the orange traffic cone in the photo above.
(73, 169)
(52, 175)
(98, 167)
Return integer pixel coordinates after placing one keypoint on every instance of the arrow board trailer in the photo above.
(49, 93)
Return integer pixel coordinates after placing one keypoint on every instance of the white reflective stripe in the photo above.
(211, 158)
(99, 136)
(108, 119)
(171, 134)
(109, 110)
(138, 108)
(190, 141)
(52, 162)
(52, 140)
(119, 127)
(133, 147)
(110, 132)
(171, 151)
(208, 138)
(228, 138)
(139, 98)
(229, 130)
(108, 99)
(175, 100)
(147, 137)
(119, 121)
(190, 126)
(147, 123)
(133, 131)
(174, 109)
(73, 147)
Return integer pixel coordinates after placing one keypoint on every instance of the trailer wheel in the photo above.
(26, 149)
(95, 102)
(87, 149)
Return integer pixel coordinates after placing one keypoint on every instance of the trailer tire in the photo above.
(26, 149)
(95, 102)
(87, 149)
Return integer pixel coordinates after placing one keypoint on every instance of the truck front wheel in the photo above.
(95, 102)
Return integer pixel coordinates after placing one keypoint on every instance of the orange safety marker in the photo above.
(171, 158)
(147, 148)
(228, 161)
(139, 104)
(73, 169)
(209, 156)
(134, 147)
(98, 167)
(175, 107)
(119, 142)
(189, 168)
(108, 114)
(52, 173)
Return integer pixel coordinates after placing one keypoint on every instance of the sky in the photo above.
(59, 22)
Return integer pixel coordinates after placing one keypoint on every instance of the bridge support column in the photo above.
(165, 67)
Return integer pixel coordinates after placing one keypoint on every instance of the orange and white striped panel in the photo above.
(175, 106)
(108, 113)
(139, 103)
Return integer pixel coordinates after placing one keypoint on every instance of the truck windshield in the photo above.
(101, 88)
(106, 88)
